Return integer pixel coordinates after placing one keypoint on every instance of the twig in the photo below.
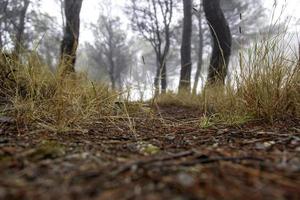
(199, 159)
(218, 159)
(141, 163)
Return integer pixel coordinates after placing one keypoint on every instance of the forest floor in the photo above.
(165, 157)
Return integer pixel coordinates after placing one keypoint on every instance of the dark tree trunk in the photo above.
(112, 69)
(21, 28)
(186, 63)
(71, 35)
(160, 81)
(200, 52)
(1, 40)
(167, 21)
(163, 61)
(164, 83)
(222, 41)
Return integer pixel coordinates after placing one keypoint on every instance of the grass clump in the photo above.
(38, 96)
(269, 82)
(266, 86)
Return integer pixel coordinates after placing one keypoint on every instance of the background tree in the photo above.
(47, 33)
(200, 37)
(243, 30)
(12, 23)
(71, 35)
(222, 41)
(186, 61)
(152, 19)
(5, 28)
(110, 49)
(21, 26)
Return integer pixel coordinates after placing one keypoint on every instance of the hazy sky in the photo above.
(90, 11)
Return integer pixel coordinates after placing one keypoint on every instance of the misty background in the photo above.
(134, 59)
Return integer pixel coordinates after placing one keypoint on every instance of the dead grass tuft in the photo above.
(38, 96)
(266, 86)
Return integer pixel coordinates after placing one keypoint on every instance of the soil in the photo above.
(169, 156)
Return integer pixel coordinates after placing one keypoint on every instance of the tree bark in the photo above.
(200, 52)
(186, 63)
(222, 42)
(21, 29)
(71, 35)
(112, 69)
(163, 64)
(157, 77)
(164, 81)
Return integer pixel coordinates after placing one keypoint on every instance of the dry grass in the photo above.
(269, 83)
(266, 86)
(38, 96)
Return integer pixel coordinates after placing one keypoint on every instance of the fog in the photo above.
(90, 12)
(135, 54)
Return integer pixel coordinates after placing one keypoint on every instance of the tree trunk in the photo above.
(1, 41)
(112, 80)
(71, 35)
(157, 77)
(163, 61)
(21, 28)
(200, 52)
(186, 63)
(112, 69)
(222, 42)
(164, 83)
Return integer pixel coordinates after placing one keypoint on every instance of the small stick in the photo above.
(141, 163)
(218, 159)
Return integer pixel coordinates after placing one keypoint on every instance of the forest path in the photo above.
(169, 157)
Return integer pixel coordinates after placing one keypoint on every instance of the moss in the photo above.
(47, 150)
(147, 148)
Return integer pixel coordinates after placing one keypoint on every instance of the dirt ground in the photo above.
(165, 157)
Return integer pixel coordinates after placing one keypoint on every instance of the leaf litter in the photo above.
(167, 158)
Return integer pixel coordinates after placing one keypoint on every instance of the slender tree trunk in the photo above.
(112, 70)
(71, 35)
(1, 40)
(200, 52)
(222, 42)
(160, 81)
(112, 79)
(21, 28)
(157, 76)
(164, 81)
(119, 82)
(186, 62)
(163, 62)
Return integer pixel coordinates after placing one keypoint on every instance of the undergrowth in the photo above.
(266, 85)
(38, 96)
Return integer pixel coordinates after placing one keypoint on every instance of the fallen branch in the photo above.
(141, 163)
(219, 159)
(198, 159)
